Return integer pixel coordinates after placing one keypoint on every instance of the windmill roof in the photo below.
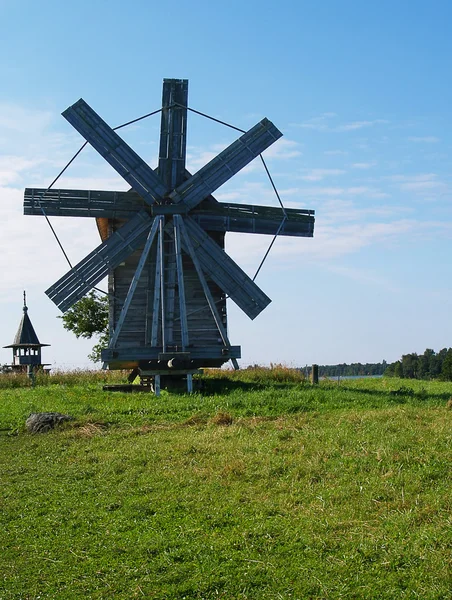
(26, 335)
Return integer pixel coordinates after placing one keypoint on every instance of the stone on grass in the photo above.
(43, 422)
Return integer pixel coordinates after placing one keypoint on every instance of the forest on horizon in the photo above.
(429, 365)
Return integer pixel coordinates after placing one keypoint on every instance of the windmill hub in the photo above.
(168, 209)
(163, 243)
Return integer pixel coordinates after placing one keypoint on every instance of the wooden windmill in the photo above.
(163, 244)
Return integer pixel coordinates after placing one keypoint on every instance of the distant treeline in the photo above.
(430, 365)
(353, 369)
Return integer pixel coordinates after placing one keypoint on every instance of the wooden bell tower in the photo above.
(26, 346)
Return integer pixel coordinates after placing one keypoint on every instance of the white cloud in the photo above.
(18, 119)
(336, 153)
(319, 174)
(363, 276)
(421, 183)
(428, 139)
(363, 165)
(282, 150)
(423, 186)
(11, 168)
(353, 126)
(317, 192)
(322, 124)
(329, 242)
(341, 211)
(28, 246)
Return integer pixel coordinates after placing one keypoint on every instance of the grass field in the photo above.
(262, 486)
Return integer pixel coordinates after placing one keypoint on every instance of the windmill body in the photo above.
(163, 243)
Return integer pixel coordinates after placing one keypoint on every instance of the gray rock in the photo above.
(43, 422)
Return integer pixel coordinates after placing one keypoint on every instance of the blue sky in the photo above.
(362, 94)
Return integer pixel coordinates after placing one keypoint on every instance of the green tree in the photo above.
(88, 317)
(389, 371)
(409, 365)
(398, 371)
(446, 369)
(424, 364)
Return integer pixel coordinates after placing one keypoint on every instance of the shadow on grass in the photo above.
(400, 395)
(224, 385)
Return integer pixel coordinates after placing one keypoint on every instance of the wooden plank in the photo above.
(138, 353)
(226, 164)
(88, 272)
(173, 129)
(242, 218)
(82, 203)
(157, 295)
(162, 281)
(115, 151)
(180, 283)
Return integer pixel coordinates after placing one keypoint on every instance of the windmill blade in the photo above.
(246, 218)
(224, 271)
(226, 164)
(116, 152)
(82, 203)
(93, 268)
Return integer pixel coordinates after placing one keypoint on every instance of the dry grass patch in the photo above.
(222, 418)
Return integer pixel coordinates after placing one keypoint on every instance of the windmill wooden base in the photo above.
(176, 381)
(163, 244)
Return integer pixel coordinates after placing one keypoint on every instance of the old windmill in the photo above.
(163, 244)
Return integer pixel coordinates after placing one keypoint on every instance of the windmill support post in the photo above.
(163, 245)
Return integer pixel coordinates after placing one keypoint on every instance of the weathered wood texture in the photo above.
(136, 329)
(229, 162)
(212, 216)
(173, 132)
(115, 151)
(94, 267)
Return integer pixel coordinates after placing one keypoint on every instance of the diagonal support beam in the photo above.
(94, 267)
(134, 282)
(205, 287)
(116, 152)
(226, 164)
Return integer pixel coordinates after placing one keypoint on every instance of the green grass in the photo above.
(262, 486)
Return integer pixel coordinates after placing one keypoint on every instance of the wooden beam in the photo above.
(180, 283)
(213, 216)
(226, 164)
(247, 218)
(143, 354)
(94, 267)
(134, 282)
(157, 294)
(173, 132)
(162, 282)
(82, 203)
(116, 152)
